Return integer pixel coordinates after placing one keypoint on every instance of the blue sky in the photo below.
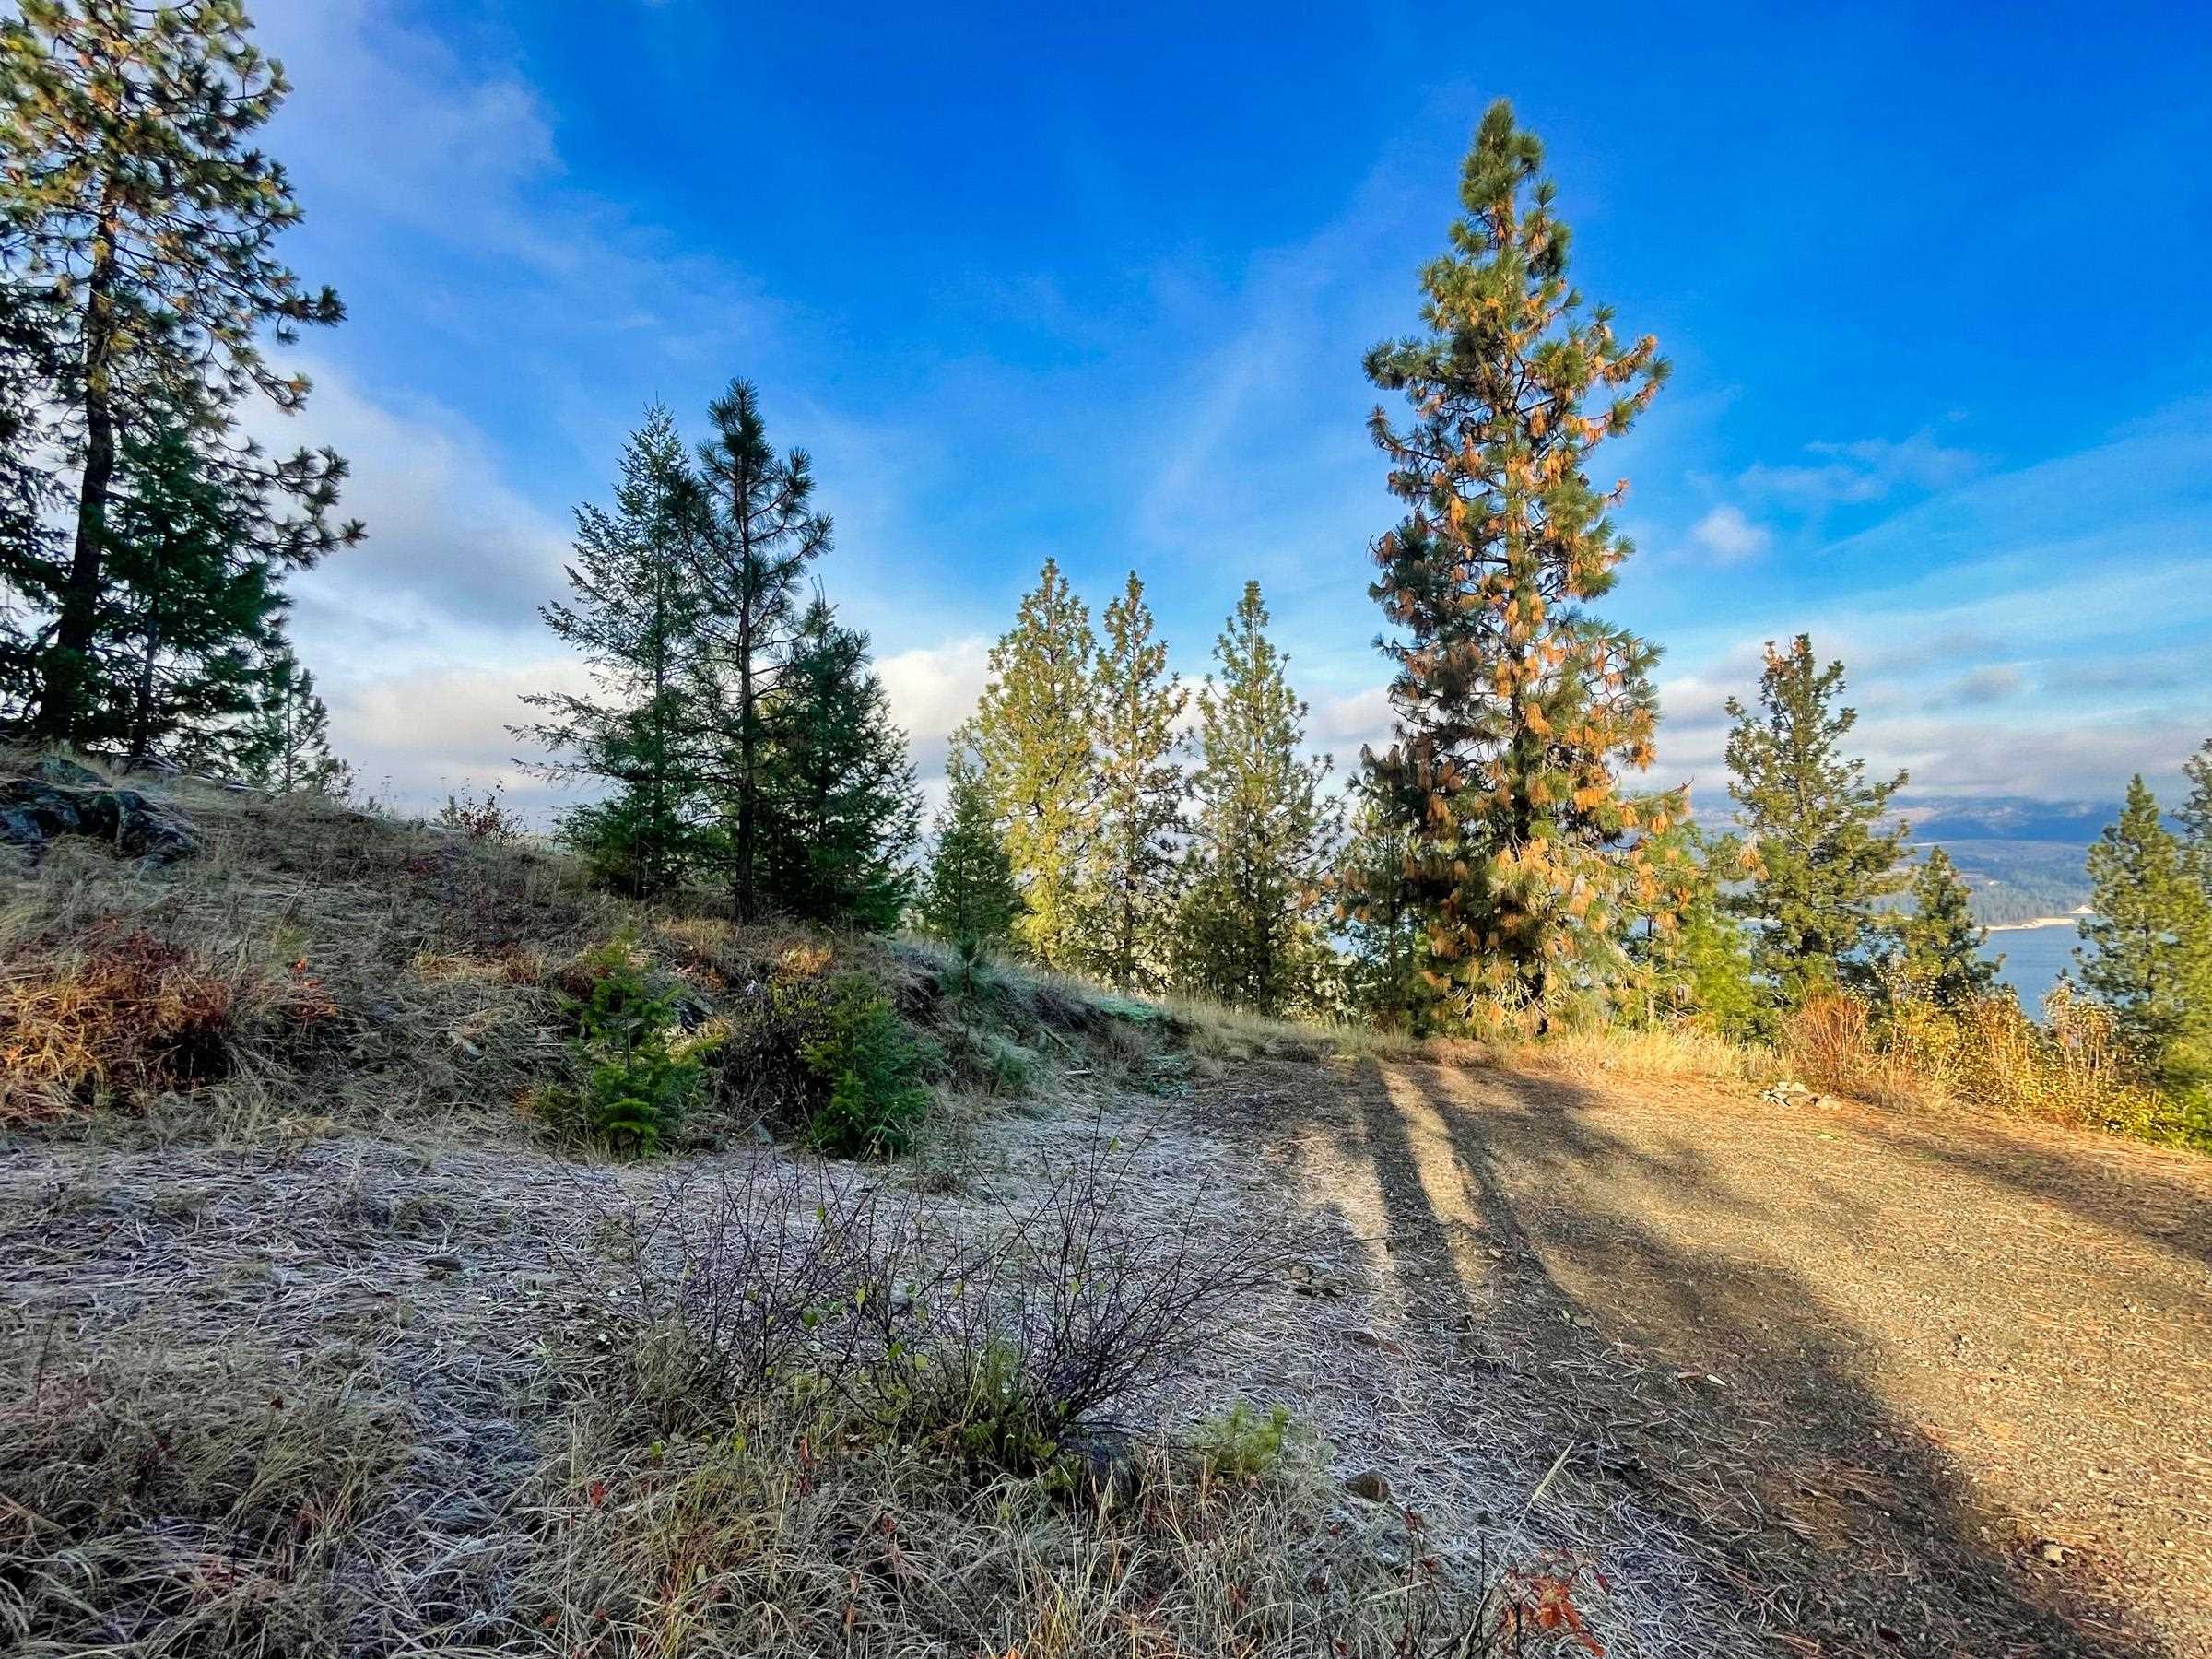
(1097, 283)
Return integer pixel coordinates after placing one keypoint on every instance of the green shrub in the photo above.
(637, 1068)
(1244, 1445)
(871, 1066)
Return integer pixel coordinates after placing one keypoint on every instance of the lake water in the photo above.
(2034, 957)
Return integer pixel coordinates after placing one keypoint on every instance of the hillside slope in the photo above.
(314, 1339)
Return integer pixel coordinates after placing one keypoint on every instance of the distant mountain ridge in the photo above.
(2021, 858)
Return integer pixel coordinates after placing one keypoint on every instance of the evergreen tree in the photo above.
(1697, 955)
(969, 895)
(30, 560)
(838, 806)
(1516, 708)
(1814, 824)
(1141, 790)
(1251, 931)
(634, 616)
(757, 537)
(285, 746)
(2148, 946)
(1036, 746)
(1938, 942)
(135, 205)
(1381, 931)
(189, 611)
(2196, 815)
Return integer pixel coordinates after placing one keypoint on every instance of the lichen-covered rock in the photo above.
(52, 769)
(33, 814)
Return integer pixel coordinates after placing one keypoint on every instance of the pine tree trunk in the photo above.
(142, 714)
(69, 667)
(744, 897)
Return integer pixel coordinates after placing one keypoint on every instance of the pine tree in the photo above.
(2148, 946)
(1697, 956)
(31, 565)
(969, 895)
(1251, 926)
(285, 746)
(1381, 932)
(839, 806)
(134, 200)
(1938, 942)
(1036, 746)
(757, 537)
(1815, 826)
(2195, 815)
(1516, 708)
(189, 611)
(634, 616)
(1141, 790)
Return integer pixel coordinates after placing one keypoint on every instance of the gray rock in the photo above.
(33, 814)
(52, 769)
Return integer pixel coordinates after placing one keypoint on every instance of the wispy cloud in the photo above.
(1730, 537)
(1866, 469)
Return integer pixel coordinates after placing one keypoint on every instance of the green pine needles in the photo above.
(636, 1067)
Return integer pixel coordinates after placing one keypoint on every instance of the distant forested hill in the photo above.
(2021, 858)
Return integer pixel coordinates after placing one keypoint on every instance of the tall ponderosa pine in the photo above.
(2147, 950)
(969, 895)
(188, 614)
(135, 205)
(1141, 792)
(838, 806)
(1252, 929)
(1814, 824)
(1516, 709)
(285, 746)
(757, 535)
(634, 614)
(1938, 942)
(1036, 742)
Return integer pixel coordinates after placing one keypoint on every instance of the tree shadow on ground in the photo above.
(1690, 1381)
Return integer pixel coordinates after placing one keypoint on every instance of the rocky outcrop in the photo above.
(52, 769)
(34, 812)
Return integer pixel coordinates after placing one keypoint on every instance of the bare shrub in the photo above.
(1006, 1332)
(810, 1416)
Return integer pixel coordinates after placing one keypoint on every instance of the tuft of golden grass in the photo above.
(1987, 1054)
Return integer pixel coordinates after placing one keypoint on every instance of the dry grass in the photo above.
(786, 1529)
(315, 963)
(161, 1500)
(809, 1418)
(2068, 1068)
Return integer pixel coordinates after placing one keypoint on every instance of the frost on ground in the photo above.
(1551, 1321)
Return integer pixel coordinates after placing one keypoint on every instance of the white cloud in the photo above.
(1729, 536)
(931, 690)
(1867, 469)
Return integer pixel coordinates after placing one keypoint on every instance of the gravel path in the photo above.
(1852, 1383)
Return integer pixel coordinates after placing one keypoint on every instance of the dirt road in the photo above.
(1827, 1380)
